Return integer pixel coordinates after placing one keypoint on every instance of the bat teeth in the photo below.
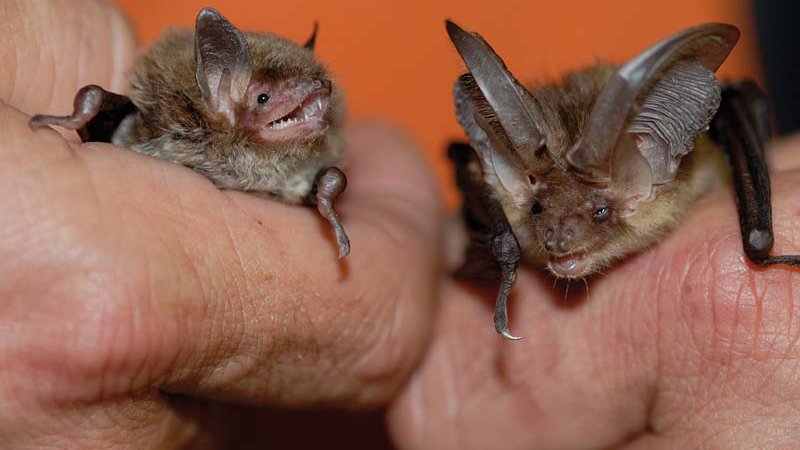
(312, 109)
(309, 111)
(283, 123)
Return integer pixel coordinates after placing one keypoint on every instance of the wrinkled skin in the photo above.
(112, 302)
(137, 301)
(688, 345)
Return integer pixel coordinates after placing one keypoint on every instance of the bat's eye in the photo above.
(602, 213)
(262, 98)
(536, 208)
(532, 179)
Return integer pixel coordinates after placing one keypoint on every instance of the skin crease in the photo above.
(688, 345)
(688, 337)
(139, 297)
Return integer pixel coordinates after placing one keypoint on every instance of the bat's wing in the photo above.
(493, 246)
(742, 128)
(97, 114)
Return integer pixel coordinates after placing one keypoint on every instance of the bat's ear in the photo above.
(223, 63)
(312, 40)
(647, 117)
(497, 113)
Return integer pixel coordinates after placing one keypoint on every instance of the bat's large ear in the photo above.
(496, 112)
(312, 40)
(223, 62)
(647, 117)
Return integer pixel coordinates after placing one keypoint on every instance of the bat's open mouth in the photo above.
(571, 265)
(307, 117)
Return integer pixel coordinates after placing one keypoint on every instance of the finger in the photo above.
(660, 334)
(237, 297)
(368, 320)
(52, 48)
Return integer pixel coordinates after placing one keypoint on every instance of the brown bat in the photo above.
(251, 112)
(574, 176)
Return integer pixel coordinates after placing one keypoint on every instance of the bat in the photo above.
(249, 111)
(573, 176)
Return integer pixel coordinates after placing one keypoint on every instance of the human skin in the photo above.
(137, 302)
(687, 345)
(135, 295)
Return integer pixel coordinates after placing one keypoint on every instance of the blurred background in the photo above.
(395, 63)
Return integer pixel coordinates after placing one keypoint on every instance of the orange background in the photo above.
(394, 61)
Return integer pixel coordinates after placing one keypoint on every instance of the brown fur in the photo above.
(563, 110)
(173, 124)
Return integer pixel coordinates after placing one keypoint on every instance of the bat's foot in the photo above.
(96, 114)
(87, 104)
(505, 249)
(330, 185)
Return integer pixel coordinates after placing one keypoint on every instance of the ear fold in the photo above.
(312, 40)
(223, 63)
(677, 107)
(675, 94)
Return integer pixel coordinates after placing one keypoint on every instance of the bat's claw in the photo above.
(87, 104)
(501, 321)
(90, 101)
(330, 185)
(507, 334)
(342, 241)
(505, 249)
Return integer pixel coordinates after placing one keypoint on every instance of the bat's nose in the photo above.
(559, 239)
(321, 83)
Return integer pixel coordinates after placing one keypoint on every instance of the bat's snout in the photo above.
(561, 236)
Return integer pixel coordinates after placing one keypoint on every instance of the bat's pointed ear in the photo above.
(508, 99)
(497, 113)
(657, 104)
(312, 40)
(223, 62)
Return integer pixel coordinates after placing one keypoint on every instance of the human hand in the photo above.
(686, 345)
(131, 286)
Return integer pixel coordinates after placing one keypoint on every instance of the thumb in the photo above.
(51, 48)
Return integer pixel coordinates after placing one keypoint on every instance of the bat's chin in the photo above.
(570, 265)
(305, 122)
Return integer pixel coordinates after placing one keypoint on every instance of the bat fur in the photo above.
(575, 175)
(249, 111)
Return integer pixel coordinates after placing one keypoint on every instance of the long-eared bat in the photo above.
(576, 175)
(251, 112)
